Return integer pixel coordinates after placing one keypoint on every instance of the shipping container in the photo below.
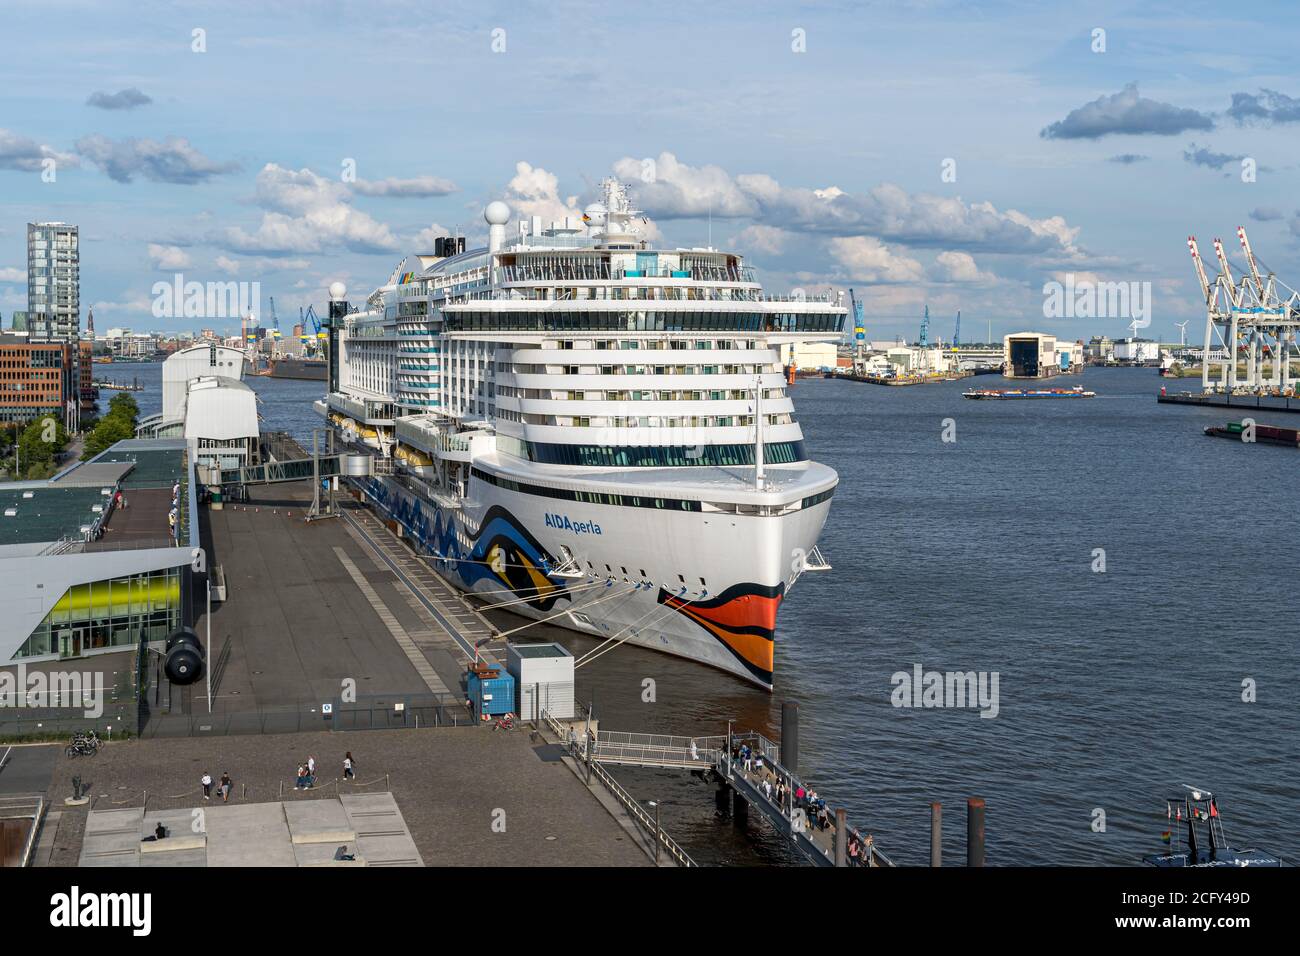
(493, 696)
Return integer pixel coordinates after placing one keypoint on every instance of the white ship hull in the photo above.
(706, 587)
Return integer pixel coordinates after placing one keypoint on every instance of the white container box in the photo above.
(543, 676)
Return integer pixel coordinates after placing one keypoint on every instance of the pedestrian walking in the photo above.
(225, 786)
(206, 781)
(311, 766)
(349, 767)
(695, 751)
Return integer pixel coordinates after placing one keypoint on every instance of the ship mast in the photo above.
(758, 433)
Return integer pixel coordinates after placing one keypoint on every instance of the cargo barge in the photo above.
(1261, 434)
(315, 370)
(1009, 393)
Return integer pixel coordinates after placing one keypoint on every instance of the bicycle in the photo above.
(505, 723)
(83, 745)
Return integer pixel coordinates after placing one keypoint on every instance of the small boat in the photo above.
(1206, 845)
(133, 386)
(1261, 434)
(1001, 393)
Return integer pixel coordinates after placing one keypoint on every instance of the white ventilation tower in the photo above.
(497, 215)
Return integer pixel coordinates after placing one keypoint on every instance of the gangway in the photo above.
(712, 757)
(318, 469)
(658, 751)
(296, 469)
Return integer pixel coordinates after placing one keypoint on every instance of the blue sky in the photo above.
(825, 166)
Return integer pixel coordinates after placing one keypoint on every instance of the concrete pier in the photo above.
(467, 797)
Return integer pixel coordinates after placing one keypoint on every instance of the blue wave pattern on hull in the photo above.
(437, 535)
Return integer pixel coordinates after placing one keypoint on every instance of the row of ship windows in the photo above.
(640, 293)
(660, 456)
(642, 321)
(638, 395)
(641, 421)
(520, 368)
(677, 344)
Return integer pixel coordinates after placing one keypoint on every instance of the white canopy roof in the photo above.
(221, 409)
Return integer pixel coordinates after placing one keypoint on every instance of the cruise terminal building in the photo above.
(84, 572)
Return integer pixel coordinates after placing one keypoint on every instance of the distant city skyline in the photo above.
(958, 155)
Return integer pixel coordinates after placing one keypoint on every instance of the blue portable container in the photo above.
(492, 695)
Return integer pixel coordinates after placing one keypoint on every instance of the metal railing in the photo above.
(625, 799)
(395, 712)
(640, 814)
(730, 769)
(658, 750)
(22, 808)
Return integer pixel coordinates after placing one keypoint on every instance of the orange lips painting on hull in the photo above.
(743, 618)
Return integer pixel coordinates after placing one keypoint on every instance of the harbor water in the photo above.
(1173, 665)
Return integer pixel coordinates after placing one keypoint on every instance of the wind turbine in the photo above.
(1182, 334)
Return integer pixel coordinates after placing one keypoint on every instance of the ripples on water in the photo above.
(1115, 688)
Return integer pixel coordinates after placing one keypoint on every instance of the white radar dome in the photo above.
(497, 213)
(338, 291)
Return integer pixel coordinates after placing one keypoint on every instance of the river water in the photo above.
(1115, 687)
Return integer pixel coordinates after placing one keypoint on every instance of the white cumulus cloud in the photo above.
(675, 190)
(168, 257)
(305, 212)
(533, 191)
(867, 259)
(961, 267)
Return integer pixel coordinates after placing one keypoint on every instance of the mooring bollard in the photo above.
(790, 735)
(975, 831)
(936, 834)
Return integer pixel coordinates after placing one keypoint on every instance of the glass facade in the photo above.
(112, 613)
(641, 320)
(660, 456)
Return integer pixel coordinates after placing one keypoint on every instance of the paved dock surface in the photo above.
(468, 796)
(25, 768)
(309, 606)
(348, 830)
(449, 618)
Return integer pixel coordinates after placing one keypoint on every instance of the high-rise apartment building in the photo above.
(53, 282)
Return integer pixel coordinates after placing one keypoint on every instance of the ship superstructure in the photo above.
(592, 430)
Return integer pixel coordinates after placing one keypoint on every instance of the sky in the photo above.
(950, 154)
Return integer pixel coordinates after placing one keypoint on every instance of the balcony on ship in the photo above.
(445, 438)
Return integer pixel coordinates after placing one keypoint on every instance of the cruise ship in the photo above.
(591, 430)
